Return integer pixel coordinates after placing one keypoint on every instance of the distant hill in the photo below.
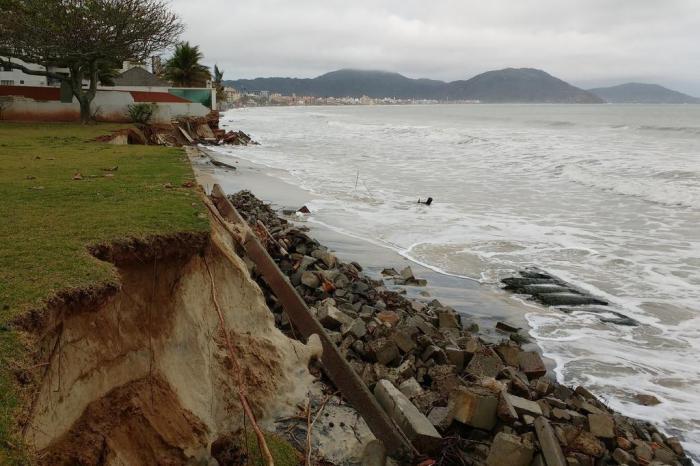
(640, 93)
(508, 85)
(347, 83)
(519, 85)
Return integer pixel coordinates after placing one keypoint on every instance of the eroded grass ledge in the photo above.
(66, 201)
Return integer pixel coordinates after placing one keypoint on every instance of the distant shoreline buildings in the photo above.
(233, 98)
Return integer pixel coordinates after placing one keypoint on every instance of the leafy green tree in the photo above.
(184, 69)
(88, 37)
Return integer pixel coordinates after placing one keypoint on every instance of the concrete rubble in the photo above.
(461, 398)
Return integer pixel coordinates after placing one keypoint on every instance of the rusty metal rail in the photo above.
(334, 364)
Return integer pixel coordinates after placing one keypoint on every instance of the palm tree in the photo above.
(183, 68)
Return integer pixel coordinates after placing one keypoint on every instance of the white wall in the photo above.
(108, 106)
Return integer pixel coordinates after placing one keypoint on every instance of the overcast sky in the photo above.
(585, 42)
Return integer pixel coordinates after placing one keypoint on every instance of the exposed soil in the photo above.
(135, 373)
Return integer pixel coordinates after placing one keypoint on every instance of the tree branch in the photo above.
(25, 70)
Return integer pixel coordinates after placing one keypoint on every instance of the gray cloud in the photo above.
(586, 42)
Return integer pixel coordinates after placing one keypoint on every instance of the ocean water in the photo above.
(604, 196)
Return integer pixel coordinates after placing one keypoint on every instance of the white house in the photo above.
(13, 77)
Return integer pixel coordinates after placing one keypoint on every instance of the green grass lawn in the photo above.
(48, 219)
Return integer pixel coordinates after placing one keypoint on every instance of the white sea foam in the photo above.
(652, 189)
(607, 197)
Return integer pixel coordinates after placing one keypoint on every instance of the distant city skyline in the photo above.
(588, 43)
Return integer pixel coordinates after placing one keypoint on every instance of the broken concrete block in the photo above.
(415, 425)
(474, 406)
(509, 450)
(330, 316)
(440, 417)
(601, 425)
(447, 319)
(523, 406)
(403, 341)
(506, 411)
(582, 441)
(531, 364)
(434, 352)
(410, 387)
(383, 351)
(549, 444)
(485, 363)
(456, 357)
(509, 354)
(470, 344)
(357, 329)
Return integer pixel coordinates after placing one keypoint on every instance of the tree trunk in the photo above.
(84, 97)
(85, 116)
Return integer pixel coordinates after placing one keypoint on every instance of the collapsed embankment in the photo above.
(138, 374)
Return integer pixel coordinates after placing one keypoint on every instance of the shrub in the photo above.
(141, 113)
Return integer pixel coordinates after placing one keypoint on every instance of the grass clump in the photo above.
(282, 451)
(60, 192)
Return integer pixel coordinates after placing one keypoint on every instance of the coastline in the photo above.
(485, 304)
(495, 385)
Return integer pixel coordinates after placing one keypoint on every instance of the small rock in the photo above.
(407, 273)
(622, 457)
(358, 329)
(410, 387)
(647, 400)
(504, 327)
(383, 351)
(77, 176)
(388, 317)
(310, 279)
(675, 445)
(643, 451)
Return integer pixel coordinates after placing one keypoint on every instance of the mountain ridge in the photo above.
(642, 93)
(517, 85)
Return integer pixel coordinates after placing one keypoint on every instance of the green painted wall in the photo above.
(203, 96)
